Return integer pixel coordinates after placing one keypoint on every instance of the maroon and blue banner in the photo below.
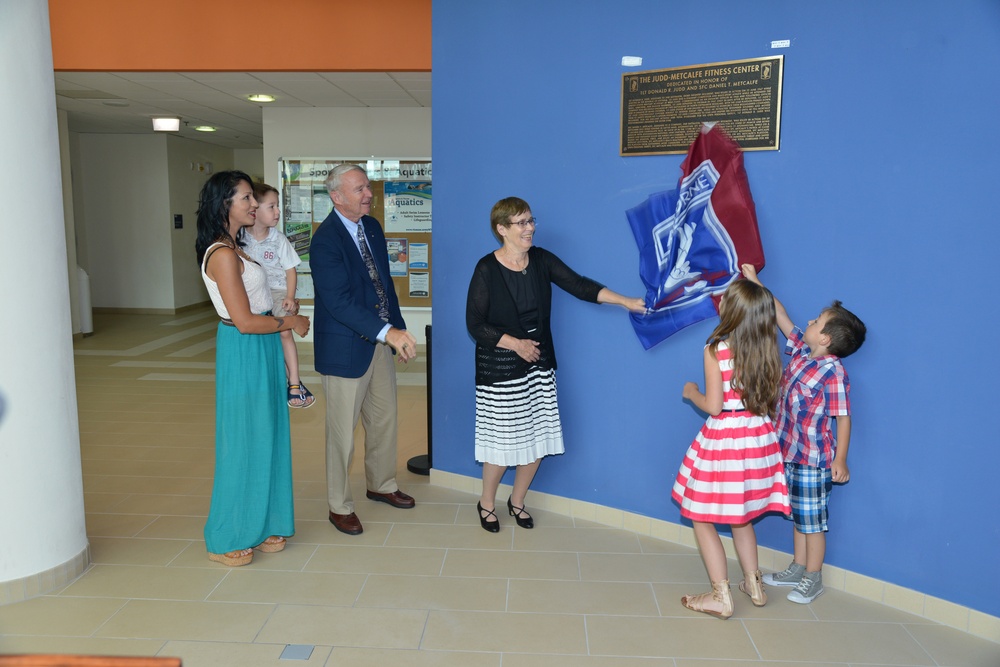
(693, 239)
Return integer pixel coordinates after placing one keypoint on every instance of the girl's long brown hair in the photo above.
(747, 323)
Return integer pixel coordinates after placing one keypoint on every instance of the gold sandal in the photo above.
(233, 558)
(720, 593)
(753, 585)
(271, 545)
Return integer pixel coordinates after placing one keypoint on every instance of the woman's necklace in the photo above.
(514, 263)
(240, 252)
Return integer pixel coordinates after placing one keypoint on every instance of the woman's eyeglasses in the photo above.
(523, 224)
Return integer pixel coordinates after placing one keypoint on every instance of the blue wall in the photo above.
(882, 195)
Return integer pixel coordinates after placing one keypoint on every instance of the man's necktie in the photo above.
(366, 255)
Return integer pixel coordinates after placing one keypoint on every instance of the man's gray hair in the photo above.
(332, 181)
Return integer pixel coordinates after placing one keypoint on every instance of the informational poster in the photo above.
(407, 206)
(300, 235)
(401, 202)
(398, 256)
(298, 206)
(321, 203)
(420, 285)
(304, 285)
(304, 204)
(419, 257)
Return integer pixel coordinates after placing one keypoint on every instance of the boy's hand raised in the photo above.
(784, 322)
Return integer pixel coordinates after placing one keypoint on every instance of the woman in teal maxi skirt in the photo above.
(252, 506)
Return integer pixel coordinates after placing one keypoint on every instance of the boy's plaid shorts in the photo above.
(809, 492)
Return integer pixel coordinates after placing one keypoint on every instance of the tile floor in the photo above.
(420, 587)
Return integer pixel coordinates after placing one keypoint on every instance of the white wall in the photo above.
(126, 210)
(185, 183)
(363, 132)
(249, 161)
(70, 224)
(75, 185)
(127, 189)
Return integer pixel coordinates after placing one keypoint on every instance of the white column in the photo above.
(43, 538)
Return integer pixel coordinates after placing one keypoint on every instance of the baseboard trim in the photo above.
(910, 601)
(41, 583)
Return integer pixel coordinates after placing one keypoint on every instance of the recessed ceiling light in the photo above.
(261, 97)
(204, 128)
(166, 124)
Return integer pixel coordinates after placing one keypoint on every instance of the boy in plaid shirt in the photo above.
(814, 388)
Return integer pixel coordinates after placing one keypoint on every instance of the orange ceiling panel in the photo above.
(241, 36)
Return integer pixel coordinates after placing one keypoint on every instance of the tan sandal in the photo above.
(271, 545)
(233, 558)
(753, 585)
(719, 594)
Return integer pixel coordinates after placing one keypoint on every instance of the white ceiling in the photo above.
(124, 102)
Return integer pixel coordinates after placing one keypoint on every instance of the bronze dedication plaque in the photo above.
(663, 109)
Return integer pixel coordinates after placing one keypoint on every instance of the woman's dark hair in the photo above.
(213, 209)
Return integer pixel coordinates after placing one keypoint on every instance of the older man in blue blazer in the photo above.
(357, 326)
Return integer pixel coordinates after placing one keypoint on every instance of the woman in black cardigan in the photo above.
(510, 298)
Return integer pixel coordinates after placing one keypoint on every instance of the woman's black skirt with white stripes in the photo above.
(517, 421)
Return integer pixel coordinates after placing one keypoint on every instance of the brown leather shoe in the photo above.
(347, 523)
(397, 499)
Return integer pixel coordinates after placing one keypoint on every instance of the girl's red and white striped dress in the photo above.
(733, 471)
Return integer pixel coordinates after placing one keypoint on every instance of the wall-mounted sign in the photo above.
(408, 206)
(662, 110)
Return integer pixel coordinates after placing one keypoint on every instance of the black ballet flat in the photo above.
(491, 526)
(516, 512)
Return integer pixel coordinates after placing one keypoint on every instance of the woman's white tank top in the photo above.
(254, 280)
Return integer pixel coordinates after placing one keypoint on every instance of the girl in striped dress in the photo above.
(732, 473)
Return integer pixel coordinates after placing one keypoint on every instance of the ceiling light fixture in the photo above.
(261, 97)
(204, 128)
(166, 124)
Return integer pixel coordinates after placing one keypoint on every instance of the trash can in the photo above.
(86, 311)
